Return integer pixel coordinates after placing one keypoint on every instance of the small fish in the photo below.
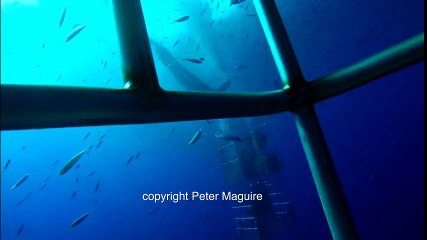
(176, 43)
(72, 162)
(250, 15)
(20, 229)
(86, 136)
(203, 11)
(99, 144)
(102, 137)
(61, 21)
(153, 210)
(77, 166)
(59, 77)
(24, 199)
(54, 163)
(73, 195)
(74, 32)
(212, 22)
(20, 181)
(182, 19)
(79, 220)
(171, 131)
(104, 66)
(43, 45)
(77, 180)
(90, 174)
(45, 180)
(235, 2)
(42, 186)
(137, 155)
(193, 60)
(97, 186)
(23, 147)
(90, 148)
(129, 161)
(209, 121)
(196, 137)
(7, 164)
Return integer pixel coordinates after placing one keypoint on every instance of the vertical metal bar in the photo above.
(138, 64)
(316, 149)
(322, 168)
(278, 40)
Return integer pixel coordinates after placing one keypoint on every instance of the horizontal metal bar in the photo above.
(379, 65)
(137, 63)
(29, 107)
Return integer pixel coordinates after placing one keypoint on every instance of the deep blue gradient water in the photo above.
(375, 133)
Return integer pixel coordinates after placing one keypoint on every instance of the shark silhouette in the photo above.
(187, 79)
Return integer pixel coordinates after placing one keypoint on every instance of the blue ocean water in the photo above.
(375, 133)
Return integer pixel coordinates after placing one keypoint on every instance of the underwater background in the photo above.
(375, 133)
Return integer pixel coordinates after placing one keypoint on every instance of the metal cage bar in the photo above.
(31, 107)
(137, 63)
(332, 197)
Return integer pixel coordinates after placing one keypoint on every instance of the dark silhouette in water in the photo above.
(21, 228)
(185, 78)
(7, 164)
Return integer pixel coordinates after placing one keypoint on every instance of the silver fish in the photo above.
(42, 186)
(24, 199)
(182, 19)
(7, 164)
(61, 21)
(86, 136)
(20, 181)
(235, 2)
(72, 162)
(176, 43)
(130, 160)
(99, 144)
(79, 220)
(97, 186)
(196, 137)
(73, 195)
(21, 228)
(193, 60)
(74, 33)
